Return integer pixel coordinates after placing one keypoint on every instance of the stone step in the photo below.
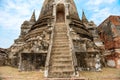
(64, 55)
(61, 57)
(60, 43)
(60, 36)
(61, 40)
(63, 45)
(60, 75)
(60, 23)
(61, 71)
(61, 63)
(64, 32)
(59, 52)
(70, 59)
(61, 66)
(65, 68)
(61, 48)
(60, 31)
(61, 28)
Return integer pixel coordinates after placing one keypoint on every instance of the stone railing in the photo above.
(47, 64)
(71, 47)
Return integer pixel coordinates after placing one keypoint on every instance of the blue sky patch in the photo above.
(14, 12)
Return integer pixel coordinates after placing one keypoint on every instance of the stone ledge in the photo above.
(81, 78)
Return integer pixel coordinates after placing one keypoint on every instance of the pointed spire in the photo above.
(33, 19)
(84, 19)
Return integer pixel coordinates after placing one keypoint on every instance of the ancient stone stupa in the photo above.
(58, 41)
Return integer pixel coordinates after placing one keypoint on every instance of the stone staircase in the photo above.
(61, 63)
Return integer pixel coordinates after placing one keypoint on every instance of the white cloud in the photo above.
(14, 12)
(101, 14)
(101, 9)
(12, 15)
(17, 11)
(5, 43)
(98, 2)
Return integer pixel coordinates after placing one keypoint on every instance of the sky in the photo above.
(14, 12)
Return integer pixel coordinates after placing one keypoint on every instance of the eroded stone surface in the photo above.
(58, 41)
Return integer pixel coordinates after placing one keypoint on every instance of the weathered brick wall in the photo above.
(113, 44)
(109, 32)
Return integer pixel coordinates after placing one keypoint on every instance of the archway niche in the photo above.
(60, 13)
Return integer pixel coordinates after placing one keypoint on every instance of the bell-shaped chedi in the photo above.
(58, 41)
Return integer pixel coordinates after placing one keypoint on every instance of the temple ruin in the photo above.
(59, 41)
(109, 31)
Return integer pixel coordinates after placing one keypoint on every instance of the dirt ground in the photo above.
(106, 74)
(9, 73)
